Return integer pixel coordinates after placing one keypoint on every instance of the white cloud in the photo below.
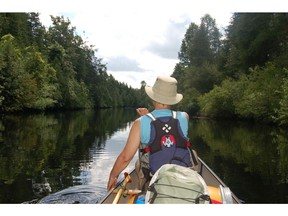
(169, 44)
(123, 63)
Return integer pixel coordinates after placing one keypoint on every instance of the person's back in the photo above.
(164, 140)
(163, 132)
(163, 95)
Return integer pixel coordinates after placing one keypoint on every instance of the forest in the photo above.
(54, 68)
(238, 73)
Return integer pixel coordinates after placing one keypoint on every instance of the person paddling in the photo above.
(161, 136)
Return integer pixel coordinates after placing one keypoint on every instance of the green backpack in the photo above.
(177, 184)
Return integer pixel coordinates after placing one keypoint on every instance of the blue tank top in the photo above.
(145, 123)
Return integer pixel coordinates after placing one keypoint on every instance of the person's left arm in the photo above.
(142, 111)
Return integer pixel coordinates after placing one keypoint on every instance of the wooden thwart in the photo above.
(128, 192)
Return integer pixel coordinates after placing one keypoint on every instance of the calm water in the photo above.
(66, 157)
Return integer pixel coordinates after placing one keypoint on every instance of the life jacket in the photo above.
(167, 145)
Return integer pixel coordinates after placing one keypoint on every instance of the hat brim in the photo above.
(162, 99)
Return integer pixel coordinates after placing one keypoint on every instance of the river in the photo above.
(66, 157)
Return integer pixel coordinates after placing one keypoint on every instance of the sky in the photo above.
(138, 39)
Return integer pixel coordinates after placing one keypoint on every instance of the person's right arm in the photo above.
(126, 155)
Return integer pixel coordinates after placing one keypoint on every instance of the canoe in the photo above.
(125, 190)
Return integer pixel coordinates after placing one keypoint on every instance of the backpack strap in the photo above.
(174, 114)
(151, 116)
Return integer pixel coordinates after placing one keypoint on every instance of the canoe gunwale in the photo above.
(202, 167)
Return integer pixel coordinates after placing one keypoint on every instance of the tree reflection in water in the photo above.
(250, 158)
(68, 155)
(45, 153)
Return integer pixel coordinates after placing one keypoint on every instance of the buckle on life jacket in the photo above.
(188, 144)
(145, 150)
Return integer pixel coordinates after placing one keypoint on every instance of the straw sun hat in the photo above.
(164, 91)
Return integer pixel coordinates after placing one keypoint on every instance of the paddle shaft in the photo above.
(120, 191)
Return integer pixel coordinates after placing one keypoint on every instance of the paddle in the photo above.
(118, 195)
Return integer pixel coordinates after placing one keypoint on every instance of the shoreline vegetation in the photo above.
(240, 74)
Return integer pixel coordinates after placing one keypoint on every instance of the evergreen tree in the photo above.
(18, 26)
(197, 70)
(38, 31)
(11, 75)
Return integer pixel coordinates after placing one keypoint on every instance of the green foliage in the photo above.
(197, 71)
(189, 101)
(249, 34)
(256, 96)
(255, 39)
(43, 69)
(201, 43)
(202, 78)
(261, 97)
(179, 75)
(219, 102)
(186, 50)
(2, 78)
(16, 24)
(282, 116)
(44, 76)
(11, 74)
(243, 75)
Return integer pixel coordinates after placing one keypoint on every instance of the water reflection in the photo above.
(250, 158)
(45, 153)
(68, 156)
(80, 194)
